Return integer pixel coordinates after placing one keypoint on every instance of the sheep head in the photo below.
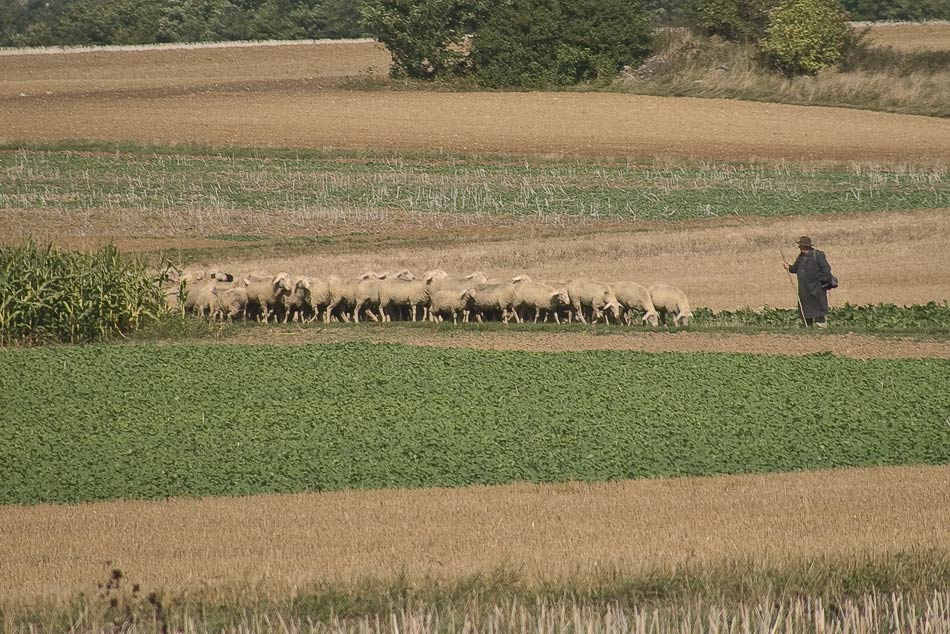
(282, 283)
(614, 307)
(652, 318)
(434, 274)
(520, 278)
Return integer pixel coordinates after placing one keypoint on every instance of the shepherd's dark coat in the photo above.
(812, 269)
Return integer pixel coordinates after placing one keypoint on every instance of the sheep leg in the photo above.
(579, 310)
(537, 313)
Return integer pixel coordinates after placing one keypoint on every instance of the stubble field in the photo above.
(550, 183)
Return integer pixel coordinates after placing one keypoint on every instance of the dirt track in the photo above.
(844, 345)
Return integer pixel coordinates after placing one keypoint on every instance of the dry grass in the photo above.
(701, 68)
(270, 545)
(867, 614)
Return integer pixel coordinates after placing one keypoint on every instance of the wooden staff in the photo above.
(798, 300)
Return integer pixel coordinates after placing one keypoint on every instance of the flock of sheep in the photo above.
(434, 296)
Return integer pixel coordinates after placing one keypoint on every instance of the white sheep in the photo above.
(199, 299)
(321, 296)
(230, 302)
(490, 298)
(265, 292)
(404, 291)
(669, 300)
(634, 297)
(451, 302)
(342, 298)
(197, 285)
(367, 293)
(297, 304)
(439, 280)
(541, 297)
(595, 296)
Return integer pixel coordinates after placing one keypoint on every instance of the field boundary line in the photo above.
(57, 50)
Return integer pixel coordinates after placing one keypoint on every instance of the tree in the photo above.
(734, 19)
(537, 43)
(806, 36)
(910, 10)
(426, 38)
(339, 19)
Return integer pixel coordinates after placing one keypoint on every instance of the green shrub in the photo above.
(425, 37)
(734, 19)
(537, 43)
(49, 295)
(805, 36)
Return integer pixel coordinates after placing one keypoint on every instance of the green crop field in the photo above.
(143, 421)
(159, 180)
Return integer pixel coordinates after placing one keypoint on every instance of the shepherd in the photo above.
(814, 282)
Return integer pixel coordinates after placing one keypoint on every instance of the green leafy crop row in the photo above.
(929, 317)
(103, 422)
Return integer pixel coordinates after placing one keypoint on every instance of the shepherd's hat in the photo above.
(805, 241)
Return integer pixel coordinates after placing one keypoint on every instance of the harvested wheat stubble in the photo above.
(722, 264)
(278, 543)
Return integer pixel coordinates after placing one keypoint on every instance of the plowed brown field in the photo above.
(279, 96)
(913, 37)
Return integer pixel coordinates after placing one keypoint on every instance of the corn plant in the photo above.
(49, 295)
